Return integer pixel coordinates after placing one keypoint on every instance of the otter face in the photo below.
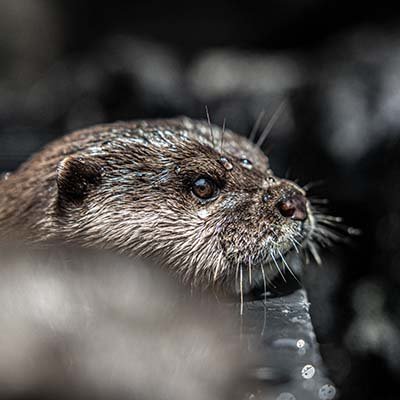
(164, 189)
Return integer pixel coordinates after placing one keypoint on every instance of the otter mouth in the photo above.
(278, 270)
(293, 240)
(277, 273)
(270, 278)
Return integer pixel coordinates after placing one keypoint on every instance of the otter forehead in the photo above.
(176, 138)
(159, 151)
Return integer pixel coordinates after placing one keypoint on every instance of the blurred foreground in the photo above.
(84, 325)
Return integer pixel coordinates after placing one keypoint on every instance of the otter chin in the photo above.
(201, 199)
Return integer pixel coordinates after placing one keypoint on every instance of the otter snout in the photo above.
(293, 207)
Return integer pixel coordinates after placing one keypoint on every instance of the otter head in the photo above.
(201, 199)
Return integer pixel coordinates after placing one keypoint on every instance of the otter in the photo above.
(200, 198)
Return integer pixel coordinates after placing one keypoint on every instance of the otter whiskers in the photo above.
(269, 126)
(271, 123)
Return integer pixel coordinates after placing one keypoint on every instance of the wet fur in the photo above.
(126, 187)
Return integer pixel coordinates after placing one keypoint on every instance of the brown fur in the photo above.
(126, 187)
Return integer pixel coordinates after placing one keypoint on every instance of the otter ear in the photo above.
(76, 175)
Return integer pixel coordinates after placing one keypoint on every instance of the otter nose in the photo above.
(294, 207)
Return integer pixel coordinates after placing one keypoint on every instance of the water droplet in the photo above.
(286, 396)
(327, 392)
(226, 163)
(177, 169)
(5, 176)
(265, 197)
(308, 371)
(246, 163)
(300, 343)
(353, 231)
(203, 213)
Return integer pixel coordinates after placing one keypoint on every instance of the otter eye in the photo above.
(204, 188)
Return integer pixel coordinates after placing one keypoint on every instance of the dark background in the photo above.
(65, 65)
